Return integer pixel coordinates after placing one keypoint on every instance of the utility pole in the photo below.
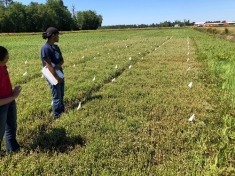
(73, 10)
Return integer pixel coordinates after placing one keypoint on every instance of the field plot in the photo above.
(231, 29)
(134, 118)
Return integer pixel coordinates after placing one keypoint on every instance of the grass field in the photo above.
(137, 124)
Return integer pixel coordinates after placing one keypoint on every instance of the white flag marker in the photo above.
(130, 66)
(79, 105)
(190, 84)
(191, 118)
(93, 79)
(189, 69)
(25, 74)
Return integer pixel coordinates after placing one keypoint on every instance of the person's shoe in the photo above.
(56, 117)
(10, 152)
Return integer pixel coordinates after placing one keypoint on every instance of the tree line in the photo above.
(161, 24)
(36, 17)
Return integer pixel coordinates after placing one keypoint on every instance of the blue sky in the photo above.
(154, 11)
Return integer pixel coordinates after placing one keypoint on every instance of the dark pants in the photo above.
(57, 99)
(8, 124)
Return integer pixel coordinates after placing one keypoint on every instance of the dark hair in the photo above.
(3, 53)
(49, 32)
(45, 36)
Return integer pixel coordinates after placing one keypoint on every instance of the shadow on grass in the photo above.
(56, 140)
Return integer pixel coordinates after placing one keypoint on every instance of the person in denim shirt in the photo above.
(8, 113)
(52, 58)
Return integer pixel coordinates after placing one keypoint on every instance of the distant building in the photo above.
(213, 24)
(208, 24)
(199, 24)
(230, 23)
(177, 25)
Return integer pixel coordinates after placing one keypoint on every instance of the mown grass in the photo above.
(137, 125)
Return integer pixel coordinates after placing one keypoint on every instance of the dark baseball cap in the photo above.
(52, 30)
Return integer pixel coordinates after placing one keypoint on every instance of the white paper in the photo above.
(46, 72)
(50, 77)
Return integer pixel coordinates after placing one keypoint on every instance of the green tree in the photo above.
(89, 20)
(100, 19)
(14, 18)
(1, 17)
(33, 21)
(38, 17)
(61, 17)
(166, 24)
(80, 19)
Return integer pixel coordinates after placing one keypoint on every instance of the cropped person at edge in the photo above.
(8, 113)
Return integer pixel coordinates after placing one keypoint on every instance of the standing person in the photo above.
(8, 114)
(52, 58)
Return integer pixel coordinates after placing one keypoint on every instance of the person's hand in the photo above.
(58, 67)
(16, 91)
(60, 80)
